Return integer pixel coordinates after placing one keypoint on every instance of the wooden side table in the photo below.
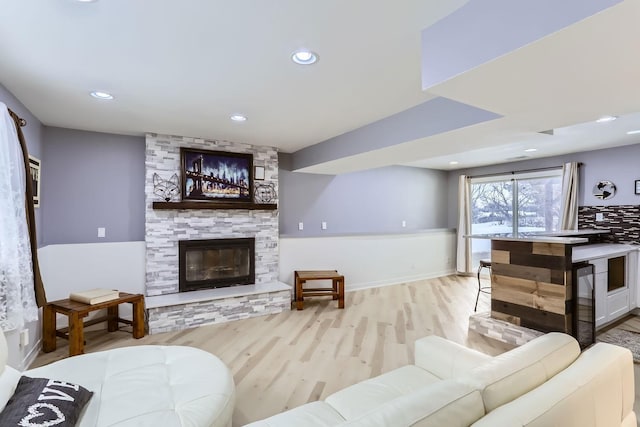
(336, 291)
(76, 311)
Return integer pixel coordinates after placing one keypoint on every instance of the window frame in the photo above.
(514, 177)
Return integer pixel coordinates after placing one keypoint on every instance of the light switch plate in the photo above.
(599, 216)
(324, 225)
(102, 232)
(300, 226)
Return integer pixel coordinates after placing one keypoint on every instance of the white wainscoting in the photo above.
(76, 267)
(67, 268)
(365, 261)
(371, 260)
(83, 266)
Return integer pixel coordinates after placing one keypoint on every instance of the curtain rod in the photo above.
(22, 122)
(520, 171)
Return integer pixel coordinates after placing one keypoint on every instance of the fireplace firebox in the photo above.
(216, 263)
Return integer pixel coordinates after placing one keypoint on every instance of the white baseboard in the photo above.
(371, 260)
(390, 282)
(33, 353)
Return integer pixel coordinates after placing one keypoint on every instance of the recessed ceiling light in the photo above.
(633, 132)
(304, 57)
(101, 95)
(605, 119)
(453, 162)
(86, 1)
(238, 118)
(531, 150)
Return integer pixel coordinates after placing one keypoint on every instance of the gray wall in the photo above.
(432, 117)
(92, 180)
(619, 165)
(33, 135)
(373, 201)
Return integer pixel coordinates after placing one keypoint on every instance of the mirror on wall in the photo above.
(604, 190)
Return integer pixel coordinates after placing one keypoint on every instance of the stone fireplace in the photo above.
(216, 263)
(168, 308)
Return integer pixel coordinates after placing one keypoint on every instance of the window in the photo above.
(514, 203)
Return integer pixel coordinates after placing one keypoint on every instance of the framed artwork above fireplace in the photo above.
(216, 176)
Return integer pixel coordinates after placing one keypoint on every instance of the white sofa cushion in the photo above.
(445, 403)
(358, 399)
(446, 359)
(314, 414)
(597, 390)
(9, 377)
(149, 386)
(8, 382)
(516, 372)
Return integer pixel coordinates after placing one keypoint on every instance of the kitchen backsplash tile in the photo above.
(622, 220)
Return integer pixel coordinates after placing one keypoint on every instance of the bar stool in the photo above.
(485, 289)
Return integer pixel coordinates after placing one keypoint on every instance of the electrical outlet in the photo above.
(599, 216)
(404, 224)
(324, 225)
(102, 232)
(300, 226)
(24, 337)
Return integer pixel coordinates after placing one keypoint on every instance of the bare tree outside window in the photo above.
(493, 211)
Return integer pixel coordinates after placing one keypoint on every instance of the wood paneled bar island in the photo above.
(574, 282)
(531, 282)
(531, 278)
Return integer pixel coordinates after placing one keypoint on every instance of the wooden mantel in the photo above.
(215, 205)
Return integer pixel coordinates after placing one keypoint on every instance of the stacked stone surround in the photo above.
(164, 228)
(178, 317)
(500, 330)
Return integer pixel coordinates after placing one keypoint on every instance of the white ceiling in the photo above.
(183, 67)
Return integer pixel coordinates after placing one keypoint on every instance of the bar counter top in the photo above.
(567, 237)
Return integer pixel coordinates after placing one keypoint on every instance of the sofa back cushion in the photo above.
(522, 369)
(444, 403)
(596, 390)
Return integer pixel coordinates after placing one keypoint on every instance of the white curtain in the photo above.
(463, 258)
(17, 299)
(569, 202)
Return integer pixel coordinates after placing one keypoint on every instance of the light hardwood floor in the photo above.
(284, 360)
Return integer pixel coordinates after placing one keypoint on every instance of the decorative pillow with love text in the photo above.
(40, 402)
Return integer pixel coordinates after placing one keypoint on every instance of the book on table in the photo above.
(95, 296)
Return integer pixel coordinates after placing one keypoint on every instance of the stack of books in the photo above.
(95, 296)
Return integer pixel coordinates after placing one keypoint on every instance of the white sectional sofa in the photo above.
(140, 386)
(546, 382)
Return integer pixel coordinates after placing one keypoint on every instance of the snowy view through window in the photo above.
(513, 206)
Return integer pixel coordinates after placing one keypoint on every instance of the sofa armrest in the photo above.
(595, 390)
(446, 359)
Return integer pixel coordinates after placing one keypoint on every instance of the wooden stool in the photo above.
(485, 289)
(76, 311)
(336, 291)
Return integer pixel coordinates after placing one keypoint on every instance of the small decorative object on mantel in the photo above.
(265, 193)
(604, 190)
(259, 173)
(167, 189)
(638, 186)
